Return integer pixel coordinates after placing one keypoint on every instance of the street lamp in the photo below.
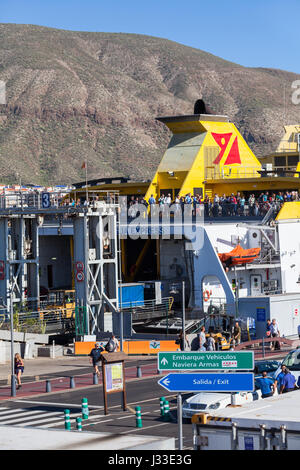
(11, 309)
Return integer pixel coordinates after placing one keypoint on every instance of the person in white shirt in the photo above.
(274, 328)
(168, 199)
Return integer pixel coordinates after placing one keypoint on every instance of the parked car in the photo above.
(270, 366)
(209, 401)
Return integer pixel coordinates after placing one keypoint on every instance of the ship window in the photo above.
(293, 160)
(279, 161)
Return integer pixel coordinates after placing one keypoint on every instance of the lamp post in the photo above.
(183, 313)
(11, 309)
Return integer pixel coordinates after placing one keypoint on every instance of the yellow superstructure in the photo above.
(204, 150)
(208, 155)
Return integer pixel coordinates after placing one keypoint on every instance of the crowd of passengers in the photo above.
(216, 206)
(224, 206)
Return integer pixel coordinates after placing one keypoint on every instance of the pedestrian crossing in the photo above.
(25, 417)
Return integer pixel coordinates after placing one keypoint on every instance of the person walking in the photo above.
(95, 357)
(112, 345)
(288, 382)
(237, 332)
(202, 339)
(274, 334)
(266, 385)
(183, 342)
(19, 369)
(211, 345)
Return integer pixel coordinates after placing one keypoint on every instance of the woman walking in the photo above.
(19, 369)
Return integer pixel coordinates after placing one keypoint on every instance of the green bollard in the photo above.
(138, 421)
(67, 420)
(166, 411)
(78, 424)
(85, 408)
(162, 406)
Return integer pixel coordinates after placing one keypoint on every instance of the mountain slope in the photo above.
(76, 95)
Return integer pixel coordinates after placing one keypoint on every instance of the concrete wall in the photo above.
(284, 308)
(289, 236)
(18, 438)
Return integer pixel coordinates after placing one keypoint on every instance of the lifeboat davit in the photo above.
(239, 255)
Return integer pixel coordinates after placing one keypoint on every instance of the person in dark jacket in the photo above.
(95, 357)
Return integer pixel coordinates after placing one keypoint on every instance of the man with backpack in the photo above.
(95, 356)
(112, 345)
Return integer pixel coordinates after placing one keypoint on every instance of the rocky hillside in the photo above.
(76, 95)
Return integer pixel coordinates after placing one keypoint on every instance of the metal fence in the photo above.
(40, 322)
(51, 200)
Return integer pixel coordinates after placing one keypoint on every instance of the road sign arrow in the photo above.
(241, 382)
(164, 361)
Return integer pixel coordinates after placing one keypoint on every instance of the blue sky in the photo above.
(257, 33)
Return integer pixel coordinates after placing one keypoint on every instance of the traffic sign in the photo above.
(198, 360)
(227, 382)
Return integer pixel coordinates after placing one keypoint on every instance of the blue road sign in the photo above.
(237, 382)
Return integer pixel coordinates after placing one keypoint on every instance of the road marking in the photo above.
(53, 419)
(97, 422)
(21, 419)
(130, 416)
(11, 411)
(58, 404)
(18, 412)
(90, 406)
(148, 427)
(131, 409)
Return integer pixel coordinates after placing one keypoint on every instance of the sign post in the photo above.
(201, 382)
(207, 381)
(196, 361)
(113, 377)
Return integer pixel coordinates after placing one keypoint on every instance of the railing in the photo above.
(216, 173)
(287, 146)
(262, 343)
(40, 322)
(36, 200)
(149, 309)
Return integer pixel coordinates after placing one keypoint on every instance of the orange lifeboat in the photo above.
(239, 256)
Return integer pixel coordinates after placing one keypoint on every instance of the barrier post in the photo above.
(72, 382)
(95, 378)
(162, 406)
(67, 420)
(138, 420)
(138, 371)
(85, 408)
(48, 386)
(166, 411)
(78, 424)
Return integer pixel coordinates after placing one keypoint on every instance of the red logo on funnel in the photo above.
(233, 155)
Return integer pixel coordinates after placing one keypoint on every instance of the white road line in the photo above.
(148, 427)
(132, 415)
(90, 406)
(58, 404)
(21, 419)
(97, 422)
(19, 412)
(72, 416)
(12, 411)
